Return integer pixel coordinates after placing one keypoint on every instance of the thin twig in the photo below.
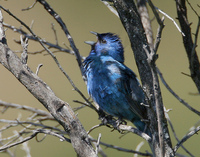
(83, 105)
(24, 55)
(59, 20)
(19, 142)
(175, 95)
(94, 127)
(31, 37)
(17, 122)
(186, 137)
(195, 44)
(50, 10)
(146, 22)
(160, 22)
(35, 132)
(189, 45)
(57, 107)
(38, 68)
(139, 147)
(136, 131)
(192, 8)
(158, 36)
(30, 7)
(121, 149)
(112, 9)
(55, 34)
(97, 144)
(26, 148)
(162, 12)
(173, 130)
(27, 108)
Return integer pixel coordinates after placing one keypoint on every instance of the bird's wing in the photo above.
(135, 94)
(129, 85)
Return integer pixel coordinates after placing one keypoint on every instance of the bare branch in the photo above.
(27, 108)
(7, 150)
(173, 130)
(136, 131)
(38, 68)
(24, 55)
(63, 26)
(61, 110)
(121, 149)
(31, 37)
(154, 9)
(17, 122)
(30, 7)
(162, 12)
(52, 55)
(97, 144)
(94, 127)
(138, 148)
(35, 132)
(172, 21)
(109, 121)
(90, 105)
(189, 45)
(175, 95)
(145, 59)
(158, 36)
(192, 8)
(19, 142)
(146, 22)
(186, 137)
(26, 148)
(146, 67)
(110, 8)
(55, 34)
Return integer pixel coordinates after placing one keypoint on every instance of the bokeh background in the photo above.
(81, 17)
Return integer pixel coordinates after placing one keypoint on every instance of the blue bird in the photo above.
(111, 84)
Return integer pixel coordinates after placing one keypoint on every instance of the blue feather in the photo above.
(111, 84)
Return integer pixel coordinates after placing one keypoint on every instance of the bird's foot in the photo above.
(106, 119)
(119, 122)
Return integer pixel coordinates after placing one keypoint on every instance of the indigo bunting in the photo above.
(111, 84)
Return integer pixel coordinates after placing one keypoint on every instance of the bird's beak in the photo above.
(90, 42)
(95, 33)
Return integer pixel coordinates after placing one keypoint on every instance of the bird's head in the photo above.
(108, 44)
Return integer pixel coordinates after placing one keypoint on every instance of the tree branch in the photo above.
(31, 37)
(175, 95)
(63, 26)
(35, 132)
(144, 15)
(194, 64)
(185, 138)
(145, 60)
(121, 149)
(172, 128)
(60, 110)
(23, 107)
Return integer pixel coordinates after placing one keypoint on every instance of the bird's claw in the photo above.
(119, 122)
(106, 119)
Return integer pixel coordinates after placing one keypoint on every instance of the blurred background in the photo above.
(81, 17)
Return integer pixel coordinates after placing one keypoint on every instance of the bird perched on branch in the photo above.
(111, 84)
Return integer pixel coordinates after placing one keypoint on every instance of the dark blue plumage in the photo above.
(112, 85)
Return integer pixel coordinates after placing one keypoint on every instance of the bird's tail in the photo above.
(142, 126)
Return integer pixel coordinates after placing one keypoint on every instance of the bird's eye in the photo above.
(103, 41)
